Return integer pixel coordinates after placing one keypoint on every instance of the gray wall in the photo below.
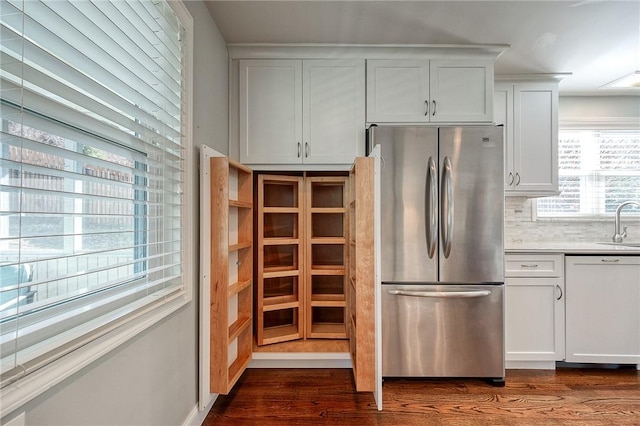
(153, 378)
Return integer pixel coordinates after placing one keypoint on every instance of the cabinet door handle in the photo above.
(610, 260)
(528, 265)
(517, 179)
(299, 149)
(426, 108)
(306, 150)
(512, 178)
(560, 290)
(434, 109)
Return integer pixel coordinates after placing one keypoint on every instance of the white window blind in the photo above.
(598, 170)
(91, 172)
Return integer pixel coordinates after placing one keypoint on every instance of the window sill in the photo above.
(627, 220)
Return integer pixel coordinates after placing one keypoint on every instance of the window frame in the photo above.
(129, 322)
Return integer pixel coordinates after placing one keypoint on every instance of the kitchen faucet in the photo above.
(619, 237)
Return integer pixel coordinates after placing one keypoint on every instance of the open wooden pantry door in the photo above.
(364, 287)
(226, 262)
(226, 269)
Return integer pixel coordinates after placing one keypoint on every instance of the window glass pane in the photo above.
(598, 170)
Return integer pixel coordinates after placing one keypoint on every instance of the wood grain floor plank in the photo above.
(570, 396)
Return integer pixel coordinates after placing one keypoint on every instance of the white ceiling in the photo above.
(597, 41)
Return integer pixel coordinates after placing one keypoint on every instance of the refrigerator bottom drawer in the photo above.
(443, 331)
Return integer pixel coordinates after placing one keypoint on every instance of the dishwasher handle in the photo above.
(441, 294)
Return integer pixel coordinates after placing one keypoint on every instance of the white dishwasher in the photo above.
(603, 309)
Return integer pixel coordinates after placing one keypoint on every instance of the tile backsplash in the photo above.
(521, 229)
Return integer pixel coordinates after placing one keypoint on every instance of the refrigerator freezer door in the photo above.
(408, 211)
(443, 331)
(471, 205)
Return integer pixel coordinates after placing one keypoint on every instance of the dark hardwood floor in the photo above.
(531, 397)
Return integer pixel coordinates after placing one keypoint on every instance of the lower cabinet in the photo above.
(603, 309)
(582, 309)
(534, 310)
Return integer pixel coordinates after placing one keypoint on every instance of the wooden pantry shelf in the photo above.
(240, 204)
(282, 241)
(239, 286)
(238, 326)
(281, 333)
(280, 303)
(240, 246)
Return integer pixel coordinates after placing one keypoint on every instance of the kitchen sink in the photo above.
(623, 244)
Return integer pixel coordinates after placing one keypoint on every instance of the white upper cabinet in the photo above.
(461, 90)
(397, 91)
(301, 112)
(333, 109)
(430, 91)
(270, 111)
(529, 112)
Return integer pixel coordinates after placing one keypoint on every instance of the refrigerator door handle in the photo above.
(446, 205)
(441, 294)
(431, 209)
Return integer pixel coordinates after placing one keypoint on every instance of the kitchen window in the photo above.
(598, 170)
(93, 181)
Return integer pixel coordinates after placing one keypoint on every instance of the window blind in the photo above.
(91, 171)
(598, 170)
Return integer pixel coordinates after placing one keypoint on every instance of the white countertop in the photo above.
(571, 248)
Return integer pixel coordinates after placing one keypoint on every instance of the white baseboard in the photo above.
(530, 365)
(300, 360)
(196, 417)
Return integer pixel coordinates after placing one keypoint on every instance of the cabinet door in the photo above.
(503, 116)
(534, 318)
(333, 111)
(270, 111)
(461, 91)
(279, 273)
(535, 135)
(325, 256)
(603, 319)
(397, 91)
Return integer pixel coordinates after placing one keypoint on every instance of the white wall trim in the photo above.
(300, 360)
(538, 77)
(365, 51)
(530, 365)
(197, 416)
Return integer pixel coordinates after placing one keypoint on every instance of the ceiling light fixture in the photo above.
(628, 81)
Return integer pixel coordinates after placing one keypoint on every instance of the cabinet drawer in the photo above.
(534, 265)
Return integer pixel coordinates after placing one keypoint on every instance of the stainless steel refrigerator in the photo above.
(442, 220)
